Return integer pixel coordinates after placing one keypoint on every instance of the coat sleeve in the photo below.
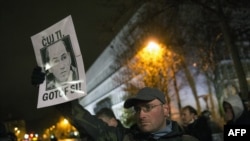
(87, 123)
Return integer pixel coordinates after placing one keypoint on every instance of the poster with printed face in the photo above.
(58, 54)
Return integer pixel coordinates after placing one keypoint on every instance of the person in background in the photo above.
(188, 115)
(151, 113)
(107, 115)
(234, 111)
(195, 125)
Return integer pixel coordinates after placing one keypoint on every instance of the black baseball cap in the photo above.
(145, 94)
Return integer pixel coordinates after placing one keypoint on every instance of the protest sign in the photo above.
(58, 53)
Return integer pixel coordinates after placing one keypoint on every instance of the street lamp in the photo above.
(65, 121)
(151, 52)
(153, 47)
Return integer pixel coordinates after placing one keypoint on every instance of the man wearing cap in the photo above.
(151, 114)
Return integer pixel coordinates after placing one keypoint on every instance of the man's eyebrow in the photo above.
(54, 58)
(64, 54)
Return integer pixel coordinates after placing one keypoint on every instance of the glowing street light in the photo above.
(65, 121)
(153, 47)
(152, 52)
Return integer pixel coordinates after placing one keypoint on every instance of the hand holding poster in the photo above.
(58, 53)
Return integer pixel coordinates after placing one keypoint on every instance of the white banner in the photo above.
(57, 51)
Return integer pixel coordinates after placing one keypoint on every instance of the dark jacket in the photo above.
(199, 129)
(100, 131)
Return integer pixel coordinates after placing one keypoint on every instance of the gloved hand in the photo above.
(37, 76)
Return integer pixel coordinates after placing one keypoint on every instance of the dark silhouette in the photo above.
(216, 129)
(6, 136)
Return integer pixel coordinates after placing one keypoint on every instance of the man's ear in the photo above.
(113, 122)
(166, 109)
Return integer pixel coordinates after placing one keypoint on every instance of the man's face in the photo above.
(187, 117)
(153, 119)
(60, 61)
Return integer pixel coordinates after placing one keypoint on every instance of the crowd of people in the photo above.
(151, 112)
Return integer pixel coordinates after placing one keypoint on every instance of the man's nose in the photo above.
(61, 64)
(141, 114)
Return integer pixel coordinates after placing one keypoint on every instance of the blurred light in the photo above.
(45, 136)
(47, 66)
(26, 136)
(152, 52)
(76, 133)
(34, 139)
(153, 47)
(52, 136)
(65, 121)
(16, 128)
(31, 135)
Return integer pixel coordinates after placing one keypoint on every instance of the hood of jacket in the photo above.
(236, 104)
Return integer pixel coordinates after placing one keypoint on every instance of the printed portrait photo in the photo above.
(60, 63)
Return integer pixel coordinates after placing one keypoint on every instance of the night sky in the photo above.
(21, 19)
